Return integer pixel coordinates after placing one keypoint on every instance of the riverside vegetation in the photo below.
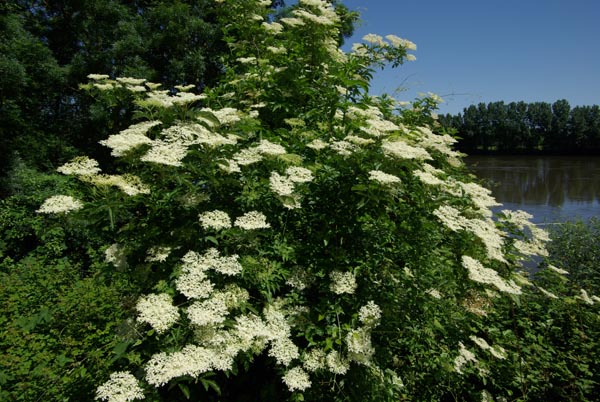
(283, 235)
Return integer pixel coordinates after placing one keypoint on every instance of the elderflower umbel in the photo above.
(463, 358)
(80, 166)
(296, 379)
(269, 148)
(558, 270)
(98, 77)
(272, 27)
(585, 297)
(216, 220)
(382, 177)
(314, 359)
(59, 204)
(284, 351)
(158, 311)
(121, 387)
(547, 293)
(400, 149)
(252, 220)
(192, 361)
(342, 282)
(317, 144)
(208, 312)
(130, 138)
(370, 314)
(129, 184)
(299, 174)
(479, 273)
(166, 153)
(158, 254)
(336, 364)
(359, 345)
(281, 185)
(116, 256)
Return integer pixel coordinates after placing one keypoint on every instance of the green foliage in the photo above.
(61, 310)
(575, 249)
(48, 48)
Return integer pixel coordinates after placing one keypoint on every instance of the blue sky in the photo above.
(472, 51)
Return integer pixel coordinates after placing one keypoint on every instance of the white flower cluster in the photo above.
(481, 196)
(116, 255)
(536, 245)
(98, 77)
(252, 220)
(166, 153)
(216, 220)
(583, 294)
(358, 342)
(266, 147)
(272, 27)
(484, 229)
(193, 281)
(192, 361)
(463, 358)
(59, 204)
(129, 184)
(496, 351)
(80, 166)
(383, 178)
(343, 148)
(121, 387)
(327, 17)
(428, 178)
(158, 311)
(281, 185)
(400, 42)
(314, 359)
(336, 363)
(356, 140)
(317, 144)
(479, 273)
(130, 138)
(226, 115)
(284, 186)
(402, 150)
(558, 270)
(342, 282)
(247, 156)
(296, 379)
(547, 293)
(441, 143)
(434, 293)
(158, 254)
(370, 314)
(163, 99)
(212, 311)
(379, 127)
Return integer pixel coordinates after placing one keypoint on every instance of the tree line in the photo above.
(526, 127)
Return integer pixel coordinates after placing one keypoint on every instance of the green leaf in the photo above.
(210, 384)
(185, 389)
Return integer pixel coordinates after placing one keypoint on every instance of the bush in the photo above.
(294, 238)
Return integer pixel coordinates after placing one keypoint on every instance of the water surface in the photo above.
(552, 188)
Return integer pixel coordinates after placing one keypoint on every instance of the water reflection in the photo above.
(552, 188)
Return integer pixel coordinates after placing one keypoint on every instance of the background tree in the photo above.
(526, 127)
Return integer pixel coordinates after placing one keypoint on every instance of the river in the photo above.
(552, 188)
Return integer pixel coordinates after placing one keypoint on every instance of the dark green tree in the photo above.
(559, 132)
(48, 49)
(539, 116)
